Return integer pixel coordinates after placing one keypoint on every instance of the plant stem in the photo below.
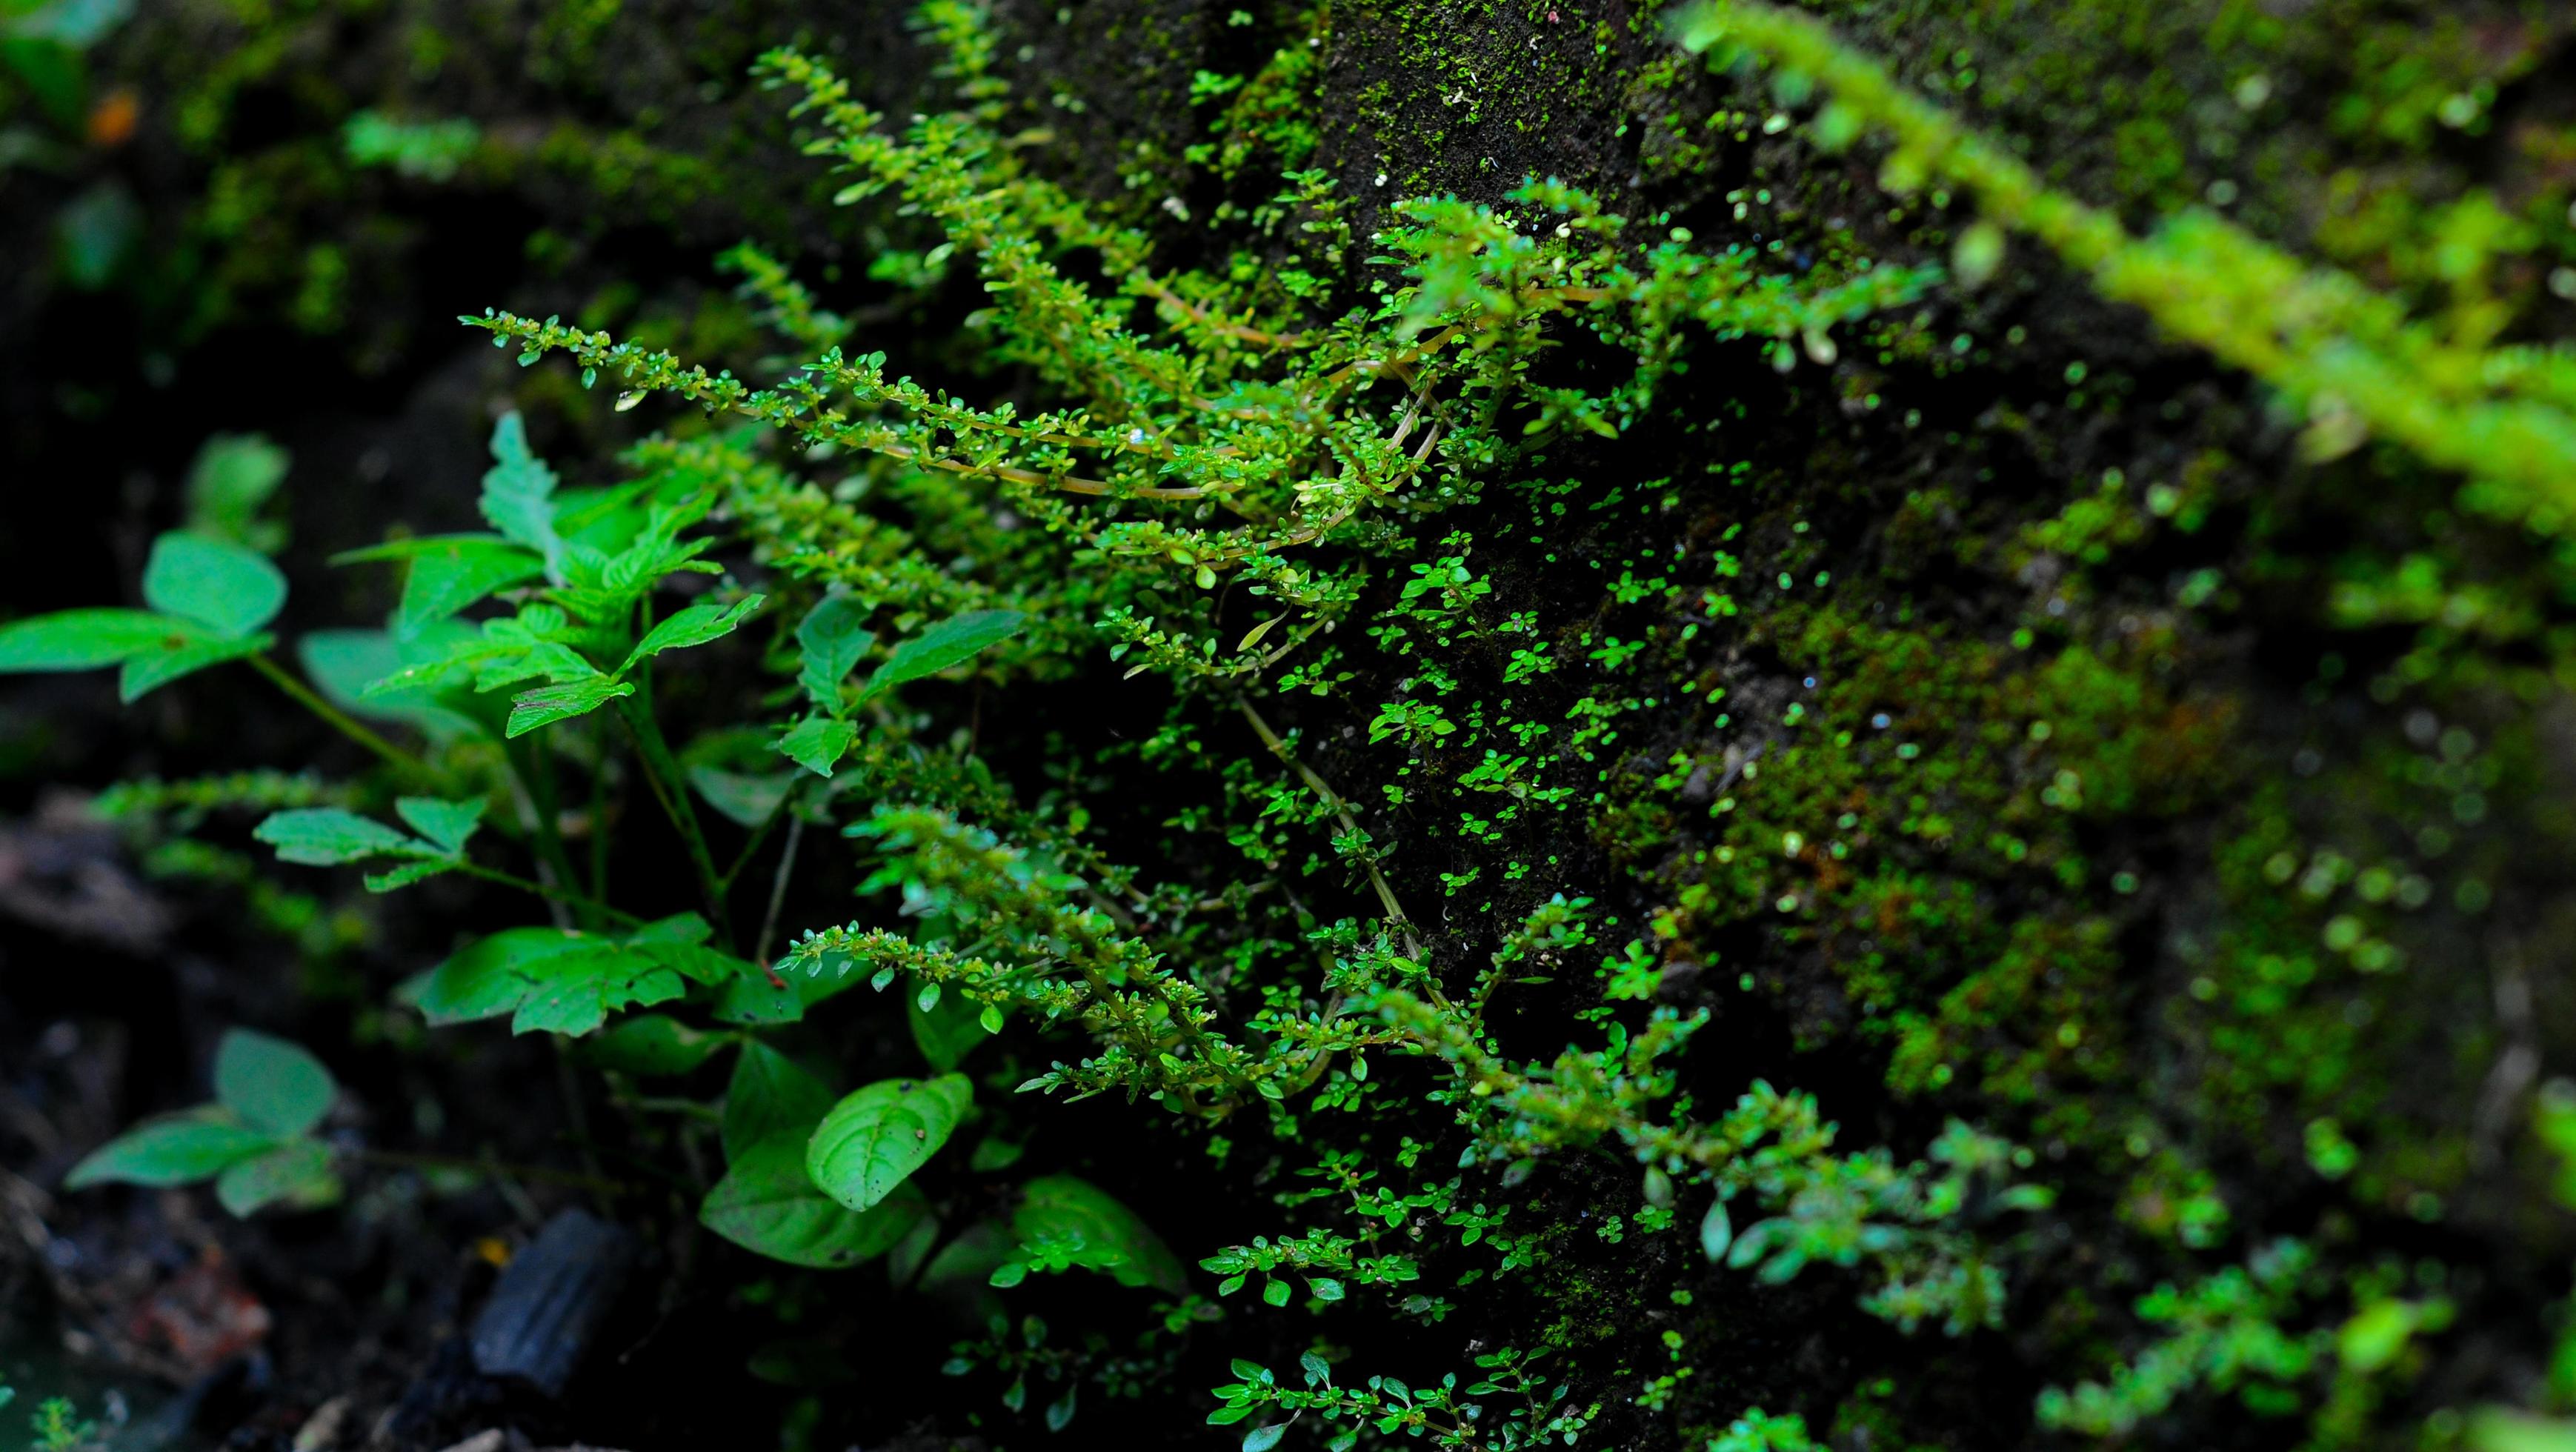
(1342, 815)
(778, 888)
(599, 811)
(590, 906)
(336, 718)
(671, 789)
(536, 770)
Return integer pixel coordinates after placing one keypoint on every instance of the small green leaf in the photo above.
(329, 836)
(82, 640)
(175, 1151)
(397, 878)
(1262, 1439)
(296, 1174)
(651, 1044)
(830, 642)
(878, 1135)
(276, 1087)
(765, 1203)
(770, 1095)
(448, 824)
(548, 704)
(1716, 1230)
(951, 641)
(691, 625)
(228, 589)
(1276, 1293)
(818, 743)
(150, 669)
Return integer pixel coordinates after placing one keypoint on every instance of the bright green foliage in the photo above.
(877, 1136)
(2348, 356)
(768, 1203)
(1293, 492)
(209, 598)
(254, 1141)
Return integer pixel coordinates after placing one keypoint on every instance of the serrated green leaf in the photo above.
(518, 495)
(696, 960)
(878, 1135)
(691, 625)
(276, 1087)
(945, 644)
(1067, 1209)
(230, 590)
(450, 572)
(296, 1175)
(818, 743)
(396, 878)
(329, 836)
(770, 1095)
(546, 979)
(82, 640)
(765, 1203)
(548, 704)
(446, 824)
(176, 1151)
(651, 1044)
(152, 668)
(830, 642)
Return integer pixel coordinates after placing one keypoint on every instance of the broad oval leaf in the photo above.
(943, 645)
(652, 1043)
(766, 1203)
(1110, 1237)
(770, 1095)
(220, 585)
(877, 1136)
(276, 1087)
(341, 664)
(329, 836)
(81, 640)
(297, 1175)
(168, 1152)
